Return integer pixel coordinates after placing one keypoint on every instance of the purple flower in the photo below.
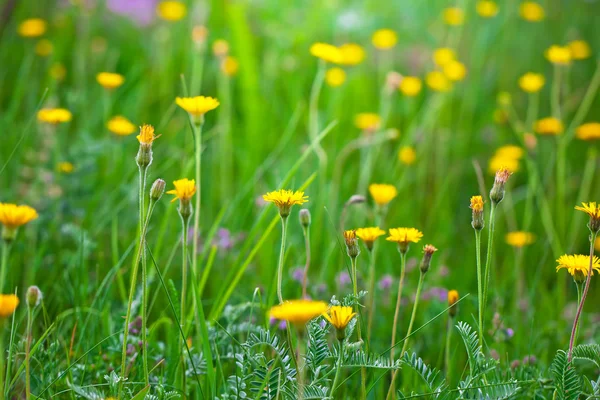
(443, 271)
(515, 364)
(530, 360)
(509, 333)
(386, 282)
(494, 354)
(224, 240)
(298, 274)
(282, 325)
(140, 11)
(343, 278)
(436, 293)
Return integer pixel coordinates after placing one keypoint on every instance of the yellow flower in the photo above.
(65, 167)
(298, 311)
(43, 48)
(351, 243)
(452, 300)
(443, 56)
(13, 216)
(549, 126)
(410, 86)
(368, 235)
(172, 11)
(590, 209)
(367, 121)
(197, 106)
(454, 16)
(455, 71)
(382, 193)
(589, 131)
(384, 39)
(531, 11)
(285, 199)
(437, 81)
(110, 80)
(597, 244)
(580, 49)
(8, 304)
(230, 66)
(33, 27)
(352, 54)
(510, 151)
(499, 161)
(578, 265)
(476, 203)
(519, 238)
(220, 47)
(477, 220)
(407, 155)
(487, 8)
(335, 77)
(559, 55)
(184, 189)
(58, 71)
(403, 236)
(327, 52)
(339, 317)
(146, 136)
(531, 82)
(121, 126)
(54, 115)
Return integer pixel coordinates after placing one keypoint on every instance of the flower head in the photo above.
(184, 189)
(13, 216)
(487, 8)
(120, 126)
(589, 131)
(54, 116)
(593, 211)
(510, 151)
(146, 136)
(352, 247)
(410, 86)
(443, 56)
(368, 235)
(285, 199)
(65, 167)
(352, 54)
(452, 300)
(578, 265)
(335, 77)
(503, 161)
(368, 122)
(32, 28)
(454, 16)
(230, 65)
(549, 126)
(382, 193)
(403, 237)
(476, 206)
(110, 80)
(580, 49)
(197, 106)
(532, 82)
(519, 238)
(559, 55)
(438, 82)
(340, 317)
(455, 71)
(298, 312)
(327, 52)
(384, 39)
(8, 304)
(171, 11)
(220, 47)
(428, 251)
(497, 192)
(44, 48)
(407, 155)
(531, 11)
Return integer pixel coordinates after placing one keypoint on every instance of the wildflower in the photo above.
(549, 126)
(580, 49)
(368, 235)
(340, 317)
(157, 189)
(305, 218)
(531, 11)
(171, 11)
(410, 86)
(477, 207)
(229, 66)
(13, 216)
(184, 190)
(454, 16)
(58, 71)
(403, 237)
(452, 300)
(519, 238)
(384, 39)
(530, 141)
(578, 265)
(510, 151)
(382, 193)
(407, 155)
(593, 211)
(589, 131)
(298, 312)
(285, 199)
(44, 48)
(335, 77)
(146, 138)
(65, 167)
(443, 56)
(455, 71)
(352, 248)
(497, 192)
(428, 251)
(32, 28)
(220, 47)
(437, 81)
(368, 122)
(199, 34)
(352, 54)
(385, 283)
(54, 116)
(120, 125)
(487, 8)
(8, 304)
(498, 161)
(327, 52)
(559, 55)
(532, 82)
(197, 106)
(110, 80)
(33, 296)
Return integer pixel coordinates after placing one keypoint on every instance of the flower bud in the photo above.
(477, 206)
(352, 247)
(452, 299)
(428, 251)
(33, 296)
(157, 189)
(356, 199)
(497, 192)
(144, 156)
(305, 217)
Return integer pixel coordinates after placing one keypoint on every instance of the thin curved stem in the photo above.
(394, 327)
(414, 313)
(5, 252)
(281, 255)
(184, 268)
(371, 294)
(307, 265)
(142, 190)
(197, 129)
(488, 258)
(27, 356)
(447, 349)
(479, 285)
(338, 369)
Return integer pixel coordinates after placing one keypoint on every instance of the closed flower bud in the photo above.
(305, 217)
(157, 189)
(452, 300)
(144, 156)
(352, 247)
(428, 251)
(477, 206)
(33, 297)
(356, 199)
(497, 192)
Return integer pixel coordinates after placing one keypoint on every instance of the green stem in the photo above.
(394, 327)
(447, 350)
(313, 119)
(197, 129)
(371, 294)
(414, 313)
(184, 267)
(363, 372)
(479, 285)
(306, 232)
(338, 369)
(2, 352)
(579, 293)
(5, 252)
(27, 356)
(488, 258)
(143, 172)
(281, 254)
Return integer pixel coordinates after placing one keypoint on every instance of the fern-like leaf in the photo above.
(428, 374)
(566, 379)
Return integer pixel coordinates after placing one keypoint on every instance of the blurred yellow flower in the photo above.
(367, 121)
(487, 8)
(171, 10)
(407, 155)
(549, 126)
(58, 71)
(298, 312)
(44, 48)
(335, 77)
(510, 151)
(498, 161)
(110, 80)
(8, 305)
(327, 52)
(519, 238)
(410, 85)
(452, 300)
(443, 56)
(597, 244)
(404, 235)
(382, 193)
(199, 34)
(121, 126)
(54, 115)
(230, 66)
(339, 316)
(220, 47)
(198, 105)
(531, 11)
(146, 136)
(455, 71)
(13, 216)
(589, 131)
(369, 235)
(65, 167)
(437, 81)
(578, 265)
(184, 189)
(352, 54)
(454, 16)
(285, 199)
(559, 55)
(31, 28)
(384, 39)
(532, 82)
(580, 49)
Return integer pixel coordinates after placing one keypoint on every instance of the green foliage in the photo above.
(566, 378)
